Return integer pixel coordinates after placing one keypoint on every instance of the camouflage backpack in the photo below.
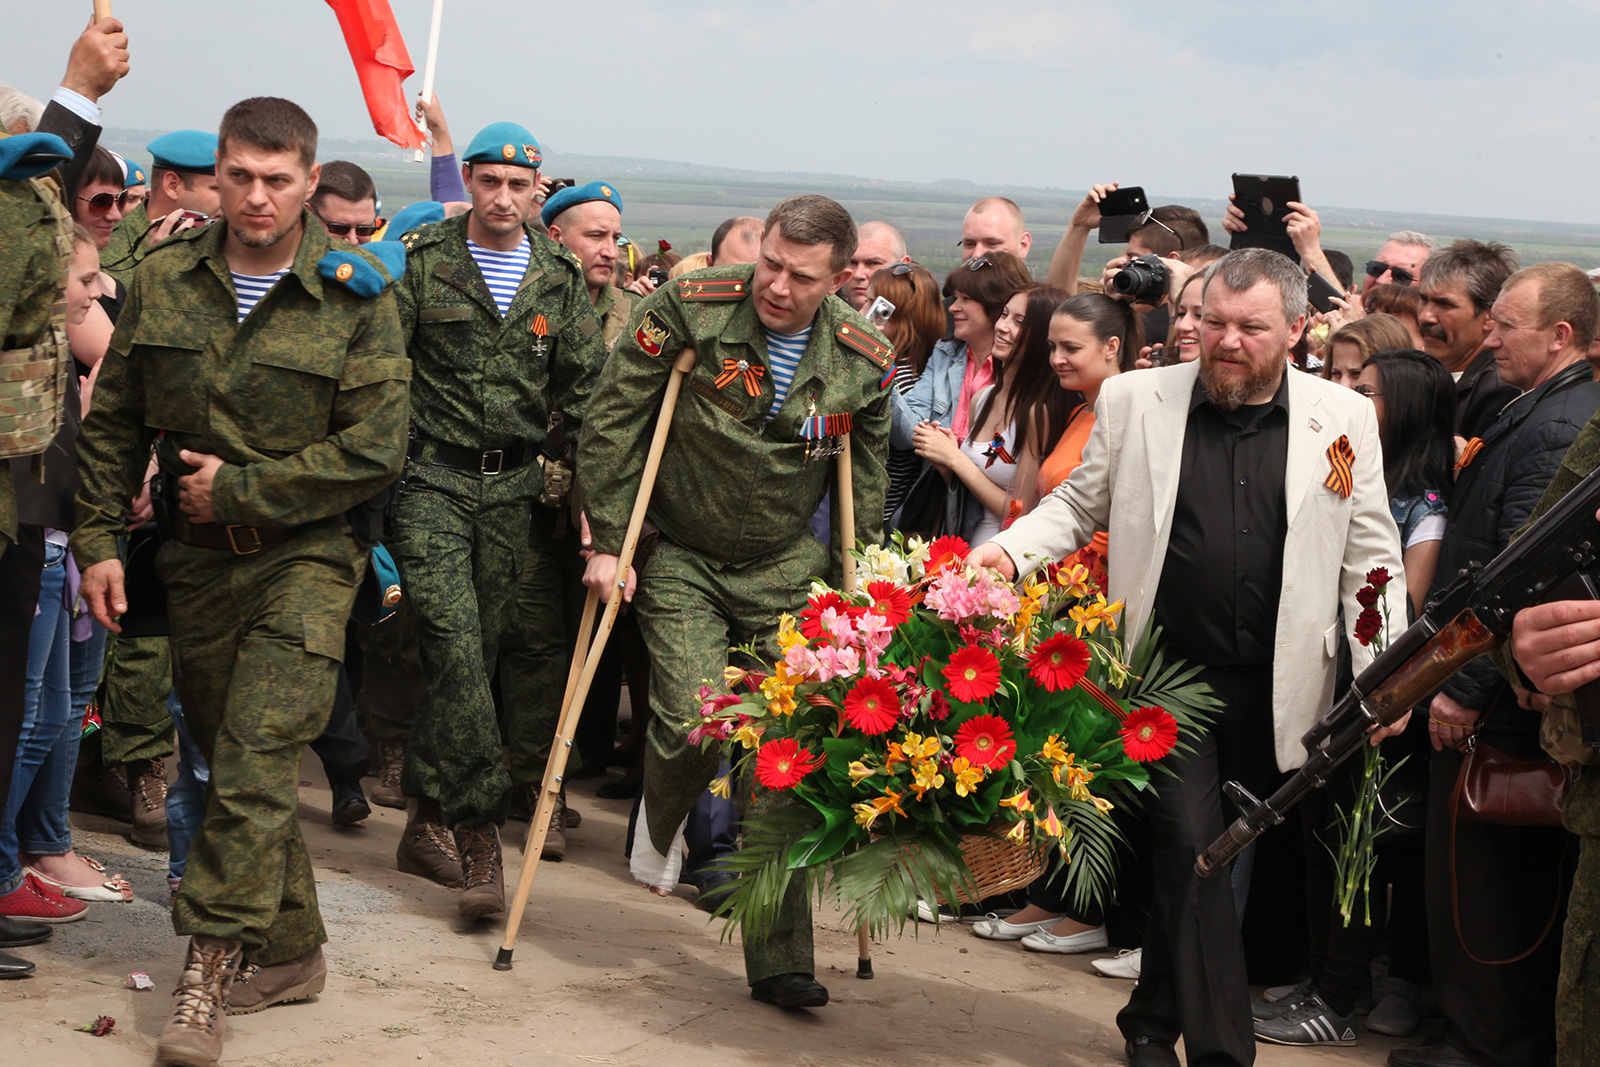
(33, 380)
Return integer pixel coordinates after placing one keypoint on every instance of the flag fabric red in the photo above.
(382, 63)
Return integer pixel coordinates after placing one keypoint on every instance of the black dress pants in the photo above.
(20, 568)
(1193, 982)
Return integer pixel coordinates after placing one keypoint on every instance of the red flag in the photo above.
(382, 63)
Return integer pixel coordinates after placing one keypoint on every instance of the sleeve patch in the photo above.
(879, 353)
(652, 333)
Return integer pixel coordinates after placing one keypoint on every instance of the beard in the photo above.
(1229, 395)
(262, 240)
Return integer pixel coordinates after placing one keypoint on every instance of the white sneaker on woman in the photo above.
(993, 928)
(1124, 964)
(1088, 941)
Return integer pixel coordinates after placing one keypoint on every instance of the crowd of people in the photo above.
(317, 477)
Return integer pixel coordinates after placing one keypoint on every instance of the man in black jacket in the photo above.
(1502, 877)
(1458, 286)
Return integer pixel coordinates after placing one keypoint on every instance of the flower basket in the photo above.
(937, 731)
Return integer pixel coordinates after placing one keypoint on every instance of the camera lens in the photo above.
(1143, 279)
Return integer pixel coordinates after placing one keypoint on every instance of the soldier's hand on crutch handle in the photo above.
(578, 681)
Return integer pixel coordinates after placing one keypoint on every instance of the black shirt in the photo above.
(1218, 598)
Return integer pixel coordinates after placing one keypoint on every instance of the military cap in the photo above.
(574, 195)
(28, 155)
(358, 273)
(132, 175)
(504, 142)
(194, 151)
(410, 217)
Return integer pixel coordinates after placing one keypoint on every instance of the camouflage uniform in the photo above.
(127, 248)
(1577, 1006)
(305, 403)
(732, 500)
(135, 722)
(483, 383)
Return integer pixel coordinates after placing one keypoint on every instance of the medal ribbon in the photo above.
(1469, 453)
(819, 426)
(734, 369)
(1340, 457)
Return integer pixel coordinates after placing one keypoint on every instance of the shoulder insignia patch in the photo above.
(652, 333)
(856, 339)
(712, 289)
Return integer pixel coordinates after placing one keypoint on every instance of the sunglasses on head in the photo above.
(978, 264)
(100, 203)
(1376, 267)
(906, 271)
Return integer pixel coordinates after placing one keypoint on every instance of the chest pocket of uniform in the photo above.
(171, 345)
(285, 393)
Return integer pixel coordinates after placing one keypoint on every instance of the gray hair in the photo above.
(1415, 240)
(897, 242)
(1482, 266)
(16, 107)
(1247, 267)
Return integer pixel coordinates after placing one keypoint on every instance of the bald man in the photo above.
(994, 224)
(877, 246)
(737, 240)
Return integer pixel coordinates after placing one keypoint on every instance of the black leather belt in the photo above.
(240, 540)
(489, 461)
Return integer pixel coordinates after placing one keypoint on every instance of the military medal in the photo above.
(824, 434)
(541, 339)
(734, 370)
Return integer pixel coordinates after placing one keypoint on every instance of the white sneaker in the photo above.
(1087, 941)
(1124, 964)
(993, 928)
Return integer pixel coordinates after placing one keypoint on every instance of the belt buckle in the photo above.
(233, 540)
(499, 461)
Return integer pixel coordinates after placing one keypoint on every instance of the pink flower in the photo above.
(837, 663)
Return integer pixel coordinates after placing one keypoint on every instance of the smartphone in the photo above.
(1264, 199)
(558, 184)
(1320, 291)
(1120, 211)
(880, 312)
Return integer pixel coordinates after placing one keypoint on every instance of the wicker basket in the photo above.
(999, 866)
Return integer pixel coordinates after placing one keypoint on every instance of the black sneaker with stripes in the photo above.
(1311, 1022)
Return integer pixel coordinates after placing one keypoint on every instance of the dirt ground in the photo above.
(605, 973)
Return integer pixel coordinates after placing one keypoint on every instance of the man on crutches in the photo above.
(783, 371)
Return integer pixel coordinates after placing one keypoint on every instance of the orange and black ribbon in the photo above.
(735, 369)
(1469, 452)
(997, 451)
(1340, 457)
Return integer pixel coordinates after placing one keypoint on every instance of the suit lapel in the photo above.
(1308, 445)
(1164, 426)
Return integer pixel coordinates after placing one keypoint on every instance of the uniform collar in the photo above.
(314, 244)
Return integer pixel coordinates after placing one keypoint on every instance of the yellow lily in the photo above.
(720, 787)
(1019, 801)
(967, 776)
(925, 776)
(1054, 750)
(749, 736)
(860, 771)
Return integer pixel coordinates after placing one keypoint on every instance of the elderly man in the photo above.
(879, 246)
(1400, 260)
(1264, 491)
(994, 224)
(1540, 327)
(1458, 286)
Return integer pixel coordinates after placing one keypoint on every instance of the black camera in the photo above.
(658, 276)
(1143, 279)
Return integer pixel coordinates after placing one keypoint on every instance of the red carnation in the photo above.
(986, 742)
(1378, 576)
(1368, 625)
(1148, 734)
(1059, 663)
(1367, 596)
(811, 616)
(945, 552)
(780, 764)
(890, 601)
(872, 706)
(973, 674)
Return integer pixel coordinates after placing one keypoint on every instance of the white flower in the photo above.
(818, 588)
(885, 564)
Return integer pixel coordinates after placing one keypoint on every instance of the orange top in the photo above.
(1056, 468)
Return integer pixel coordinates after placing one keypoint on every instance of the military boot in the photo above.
(555, 839)
(427, 847)
(193, 1034)
(257, 987)
(147, 786)
(485, 892)
(100, 788)
(391, 761)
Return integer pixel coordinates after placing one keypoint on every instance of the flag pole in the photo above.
(102, 9)
(428, 67)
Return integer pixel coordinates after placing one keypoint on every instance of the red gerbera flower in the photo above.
(946, 551)
(811, 617)
(1148, 734)
(986, 742)
(872, 706)
(1059, 663)
(973, 674)
(780, 764)
(890, 601)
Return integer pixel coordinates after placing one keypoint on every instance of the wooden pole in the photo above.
(847, 543)
(102, 9)
(578, 682)
(432, 63)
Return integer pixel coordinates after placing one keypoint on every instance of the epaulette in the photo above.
(28, 155)
(366, 271)
(709, 289)
(427, 233)
(854, 337)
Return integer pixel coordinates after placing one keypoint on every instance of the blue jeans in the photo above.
(42, 828)
(186, 797)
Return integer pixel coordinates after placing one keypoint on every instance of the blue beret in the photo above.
(131, 175)
(410, 217)
(504, 142)
(574, 195)
(28, 155)
(358, 274)
(190, 150)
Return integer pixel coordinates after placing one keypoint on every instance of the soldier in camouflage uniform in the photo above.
(182, 176)
(1555, 645)
(276, 417)
(747, 464)
(501, 331)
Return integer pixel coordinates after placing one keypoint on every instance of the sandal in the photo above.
(114, 890)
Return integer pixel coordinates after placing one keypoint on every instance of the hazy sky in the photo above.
(1474, 108)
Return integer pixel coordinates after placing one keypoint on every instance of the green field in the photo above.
(683, 204)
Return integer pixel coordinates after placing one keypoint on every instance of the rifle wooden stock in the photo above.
(1459, 643)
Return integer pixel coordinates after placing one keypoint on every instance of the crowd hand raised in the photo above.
(99, 59)
(1346, 309)
(600, 574)
(170, 224)
(1450, 723)
(102, 590)
(1557, 645)
(194, 490)
(432, 115)
(992, 555)
(1087, 214)
(1111, 272)
(1305, 229)
(1233, 220)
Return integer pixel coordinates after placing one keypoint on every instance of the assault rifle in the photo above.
(1554, 559)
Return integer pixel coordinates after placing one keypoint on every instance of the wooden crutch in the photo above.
(102, 9)
(578, 681)
(847, 543)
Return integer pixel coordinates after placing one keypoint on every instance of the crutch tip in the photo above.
(863, 968)
(502, 961)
